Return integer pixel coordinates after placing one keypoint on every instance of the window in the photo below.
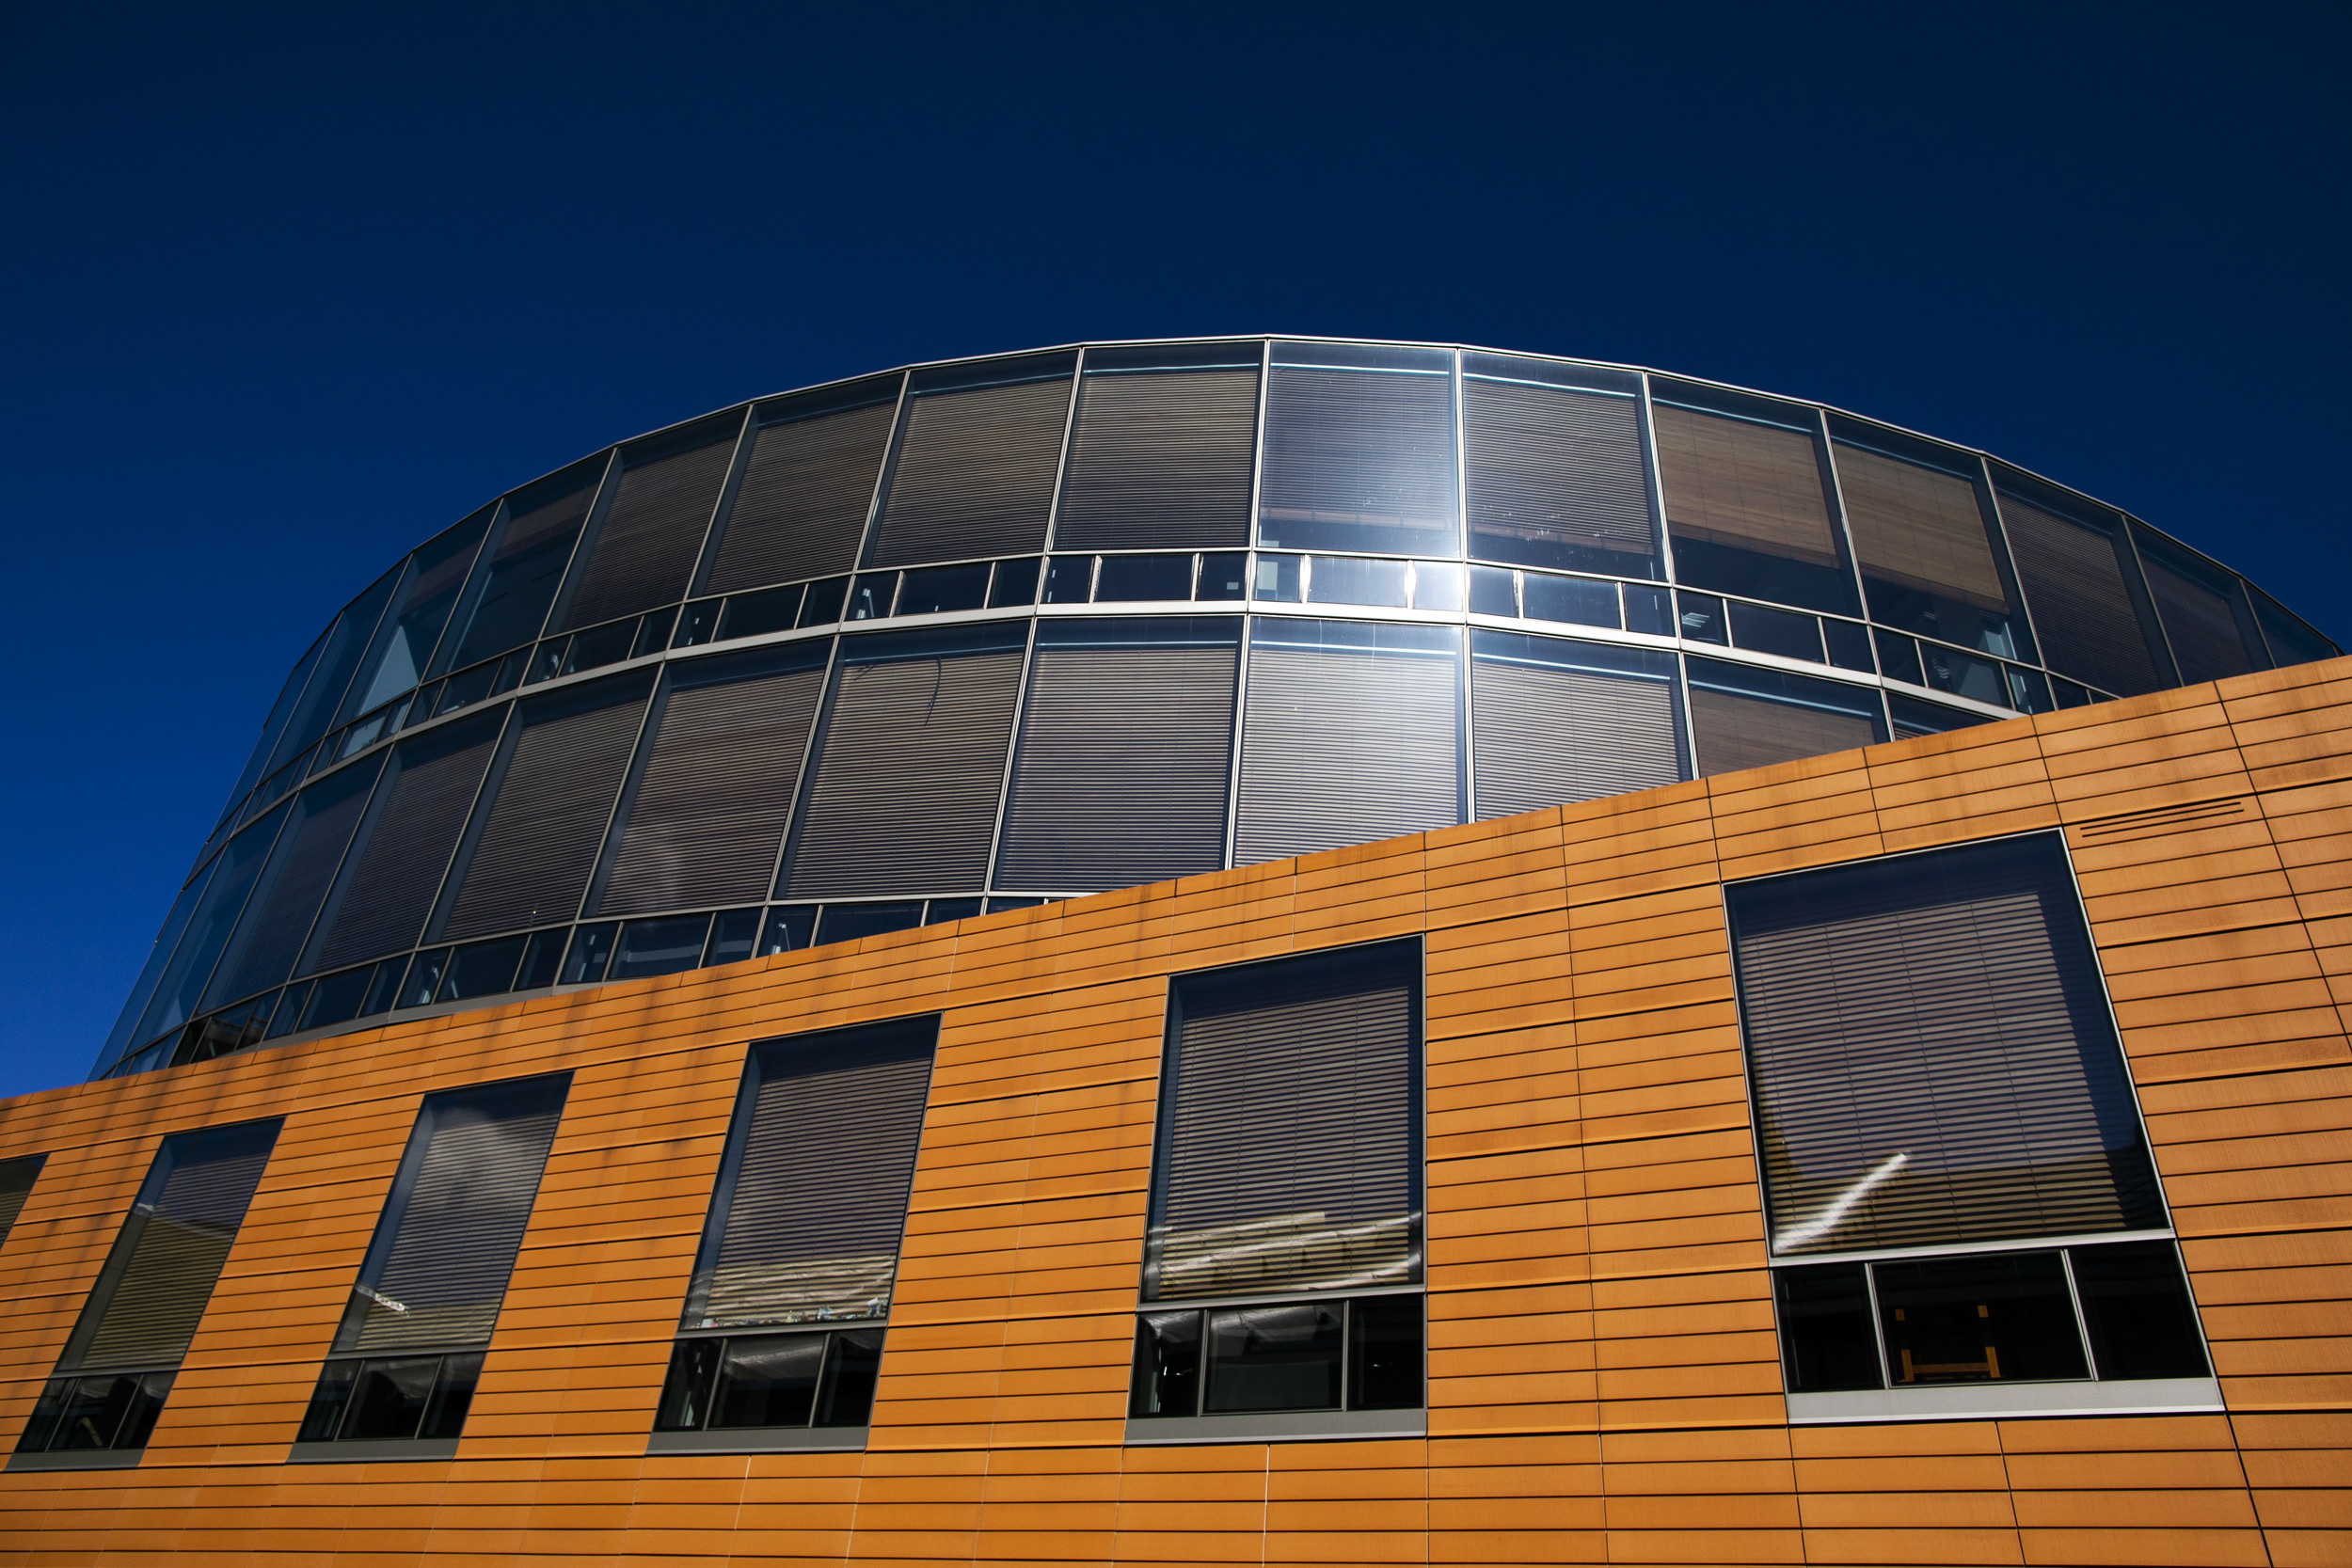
(1931, 562)
(405, 1357)
(973, 475)
(1554, 459)
(412, 627)
(277, 916)
(1161, 450)
(1359, 451)
(781, 1336)
(16, 1184)
(111, 1383)
(2207, 621)
(1963, 1213)
(1747, 499)
(800, 511)
(514, 585)
(1282, 1261)
(1746, 716)
(644, 548)
(2083, 587)
(1561, 720)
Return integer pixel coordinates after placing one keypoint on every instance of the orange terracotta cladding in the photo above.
(1603, 1383)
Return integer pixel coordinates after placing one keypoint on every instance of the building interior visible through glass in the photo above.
(930, 644)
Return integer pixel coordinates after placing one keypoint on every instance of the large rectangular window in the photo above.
(277, 917)
(118, 1366)
(1558, 720)
(17, 1177)
(405, 1359)
(1746, 715)
(645, 545)
(781, 1336)
(800, 511)
(1161, 455)
(1283, 1253)
(1939, 1087)
(2207, 621)
(1931, 561)
(1554, 460)
(974, 471)
(1747, 499)
(1359, 451)
(2083, 587)
(515, 581)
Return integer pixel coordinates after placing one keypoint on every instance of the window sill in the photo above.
(1277, 1426)
(372, 1451)
(77, 1458)
(760, 1440)
(1977, 1401)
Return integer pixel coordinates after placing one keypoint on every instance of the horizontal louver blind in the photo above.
(539, 843)
(1731, 731)
(974, 475)
(1344, 746)
(1933, 1058)
(709, 812)
(1553, 467)
(820, 1196)
(801, 510)
(445, 1247)
(652, 534)
(16, 1184)
(1291, 1153)
(1547, 735)
(1367, 450)
(302, 866)
(907, 777)
(2082, 608)
(2205, 632)
(389, 890)
(1161, 460)
(1919, 529)
(1751, 486)
(152, 1292)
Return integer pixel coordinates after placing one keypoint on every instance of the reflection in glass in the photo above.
(849, 922)
(1784, 632)
(1994, 1316)
(1224, 576)
(1436, 585)
(412, 626)
(231, 878)
(790, 927)
(939, 590)
(732, 935)
(1931, 562)
(1136, 578)
(2137, 1306)
(1493, 592)
(870, 595)
(590, 951)
(1274, 1358)
(1384, 1353)
(1359, 453)
(1746, 505)
(1573, 601)
(769, 1382)
(1826, 1340)
(482, 969)
(659, 946)
(1965, 675)
(1898, 659)
(1338, 580)
(1554, 460)
(1700, 618)
(1278, 579)
(1166, 1376)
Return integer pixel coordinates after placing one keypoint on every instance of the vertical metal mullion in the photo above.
(196, 1007)
(1878, 1328)
(2082, 1328)
(900, 415)
(624, 796)
(449, 622)
(1465, 727)
(1241, 720)
(468, 832)
(2008, 553)
(1061, 459)
(817, 724)
(1249, 635)
(1012, 751)
(469, 591)
(2146, 594)
(310, 931)
(746, 436)
(1657, 474)
(1842, 533)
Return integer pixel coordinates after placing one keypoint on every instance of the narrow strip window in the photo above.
(409, 1348)
(111, 1383)
(1283, 1263)
(1938, 1083)
(782, 1335)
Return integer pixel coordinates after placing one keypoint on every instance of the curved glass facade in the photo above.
(968, 636)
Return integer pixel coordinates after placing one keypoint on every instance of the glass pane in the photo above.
(1015, 583)
(321, 700)
(940, 590)
(790, 929)
(757, 614)
(1929, 561)
(453, 1396)
(698, 624)
(1964, 674)
(2006, 1317)
(732, 937)
(768, 1382)
(412, 627)
(823, 604)
(1357, 458)
(1556, 476)
(424, 978)
(1700, 616)
(2137, 1306)
(849, 922)
(592, 949)
(1132, 578)
(659, 946)
(1913, 718)
(1166, 1379)
(1577, 601)
(870, 595)
(1223, 577)
(1274, 1358)
(1898, 659)
(1437, 586)
(939, 912)
(1848, 645)
(230, 879)
(1493, 592)
(686, 1391)
(513, 586)
(1746, 502)
(94, 1412)
(1069, 578)
(1340, 579)
(389, 1397)
(1278, 579)
(1826, 1340)
(336, 998)
(542, 960)
(1776, 631)
(327, 1403)
(483, 969)
(852, 1364)
(1742, 716)
(1384, 1353)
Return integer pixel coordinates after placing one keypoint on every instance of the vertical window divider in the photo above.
(477, 818)
(1834, 493)
(608, 484)
(1061, 459)
(802, 782)
(746, 435)
(2144, 602)
(883, 472)
(470, 596)
(2074, 1296)
(1012, 753)
(616, 815)
(1466, 733)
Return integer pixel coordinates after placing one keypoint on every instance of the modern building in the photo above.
(1381, 953)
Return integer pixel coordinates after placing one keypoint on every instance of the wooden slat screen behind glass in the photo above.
(1737, 483)
(1917, 528)
(1161, 460)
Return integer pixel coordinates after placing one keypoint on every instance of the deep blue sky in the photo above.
(284, 290)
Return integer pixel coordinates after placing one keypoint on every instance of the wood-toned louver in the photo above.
(1161, 460)
(1555, 475)
(975, 474)
(1919, 529)
(153, 1291)
(800, 511)
(651, 536)
(1552, 730)
(1370, 453)
(1291, 1153)
(302, 866)
(709, 812)
(2202, 626)
(2080, 601)
(1733, 730)
(907, 771)
(437, 1268)
(1126, 759)
(539, 842)
(387, 890)
(1351, 740)
(1932, 1055)
(806, 1229)
(1736, 483)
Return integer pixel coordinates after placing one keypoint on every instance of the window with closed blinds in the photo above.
(1932, 1055)
(286, 898)
(1359, 453)
(910, 763)
(1926, 552)
(436, 1267)
(812, 1194)
(2206, 619)
(393, 871)
(1352, 730)
(17, 1177)
(152, 1291)
(975, 470)
(1125, 757)
(1555, 470)
(1747, 510)
(652, 534)
(412, 623)
(1161, 453)
(1288, 1155)
(2080, 587)
(513, 588)
(1558, 720)
(706, 815)
(1744, 717)
(549, 809)
(800, 509)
